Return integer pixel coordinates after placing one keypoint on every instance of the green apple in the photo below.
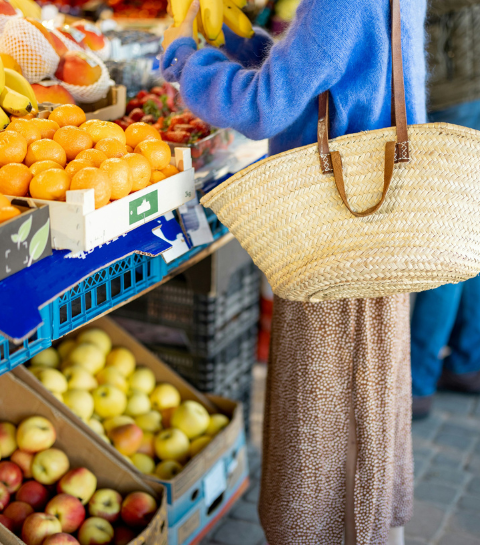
(80, 402)
(138, 403)
(88, 356)
(98, 337)
(109, 401)
(165, 396)
(112, 376)
(142, 379)
(151, 421)
(78, 378)
(216, 424)
(47, 358)
(192, 418)
(123, 360)
(172, 444)
(168, 469)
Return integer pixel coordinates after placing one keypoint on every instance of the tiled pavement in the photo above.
(447, 477)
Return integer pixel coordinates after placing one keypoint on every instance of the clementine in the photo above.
(95, 156)
(43, 150)
(157, 176)
(13, 147)
(156, 151)
(99, 130)
(74, 166)
(170, 170)
(14, 179)
(96, 179)
(47, 127)
(28, 130)
(40, 166)
(121, 179)
(111, 147)
(138, 132)
(73, 140)
(50, 185)
(67, 115)
(8, 212)
(141, 170)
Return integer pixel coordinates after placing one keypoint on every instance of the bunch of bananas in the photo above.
(16, 95)
(29, 8)
(213, 14)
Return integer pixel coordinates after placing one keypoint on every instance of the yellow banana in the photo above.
(236, 20)
(29, 8)
(212, 17)
(240, 3)
(219, 40)
(15, 103)
(179, 10)
(18, 83)
(4, 120)
(2, 76)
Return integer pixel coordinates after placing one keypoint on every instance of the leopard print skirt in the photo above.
(324, 357)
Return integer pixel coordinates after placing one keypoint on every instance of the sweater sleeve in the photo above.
(250, 53)
(262, 102)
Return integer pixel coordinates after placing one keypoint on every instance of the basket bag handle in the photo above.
(395, 152)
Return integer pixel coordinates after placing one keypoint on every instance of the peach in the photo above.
(76, 68)
(17, 512)
(127, 439)
(56, 94)
(138, 509)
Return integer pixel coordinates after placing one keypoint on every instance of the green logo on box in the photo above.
(143, 207)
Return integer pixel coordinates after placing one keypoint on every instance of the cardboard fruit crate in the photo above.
(193, 483)
(24, 239)
(19, 401)
(77, 226)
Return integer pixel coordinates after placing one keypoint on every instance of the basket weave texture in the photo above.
(290, 218)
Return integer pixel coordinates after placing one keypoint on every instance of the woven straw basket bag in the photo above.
(418, 190)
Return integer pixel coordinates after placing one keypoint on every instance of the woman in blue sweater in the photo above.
(337, 457)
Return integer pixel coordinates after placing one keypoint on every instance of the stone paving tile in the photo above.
(469, 503)
(474, 486)
(473, 464)
(450, 460)
(425, 522)
(244, 510)
(454, 403)
(455, 441)
(452, 477)
(455, 539)
(427, 428)
(463, 522)
(253, 494)
(438, 494)
(238, 532)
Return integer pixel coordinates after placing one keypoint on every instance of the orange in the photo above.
(14, 179)
(4, 201)
(111, 147)
(68, 114)
(48, 127)
(74, 166)
(157, 152)
(95, 156)
(138, 132)
(73, 140)
(99, 130)
(13, 148)
(170, 170)
(96, 179)
(129, 149)
(50, 185)
(157, 176)
(28, 130)
(43, 150)
(8, 212)
(141, 170)
(40, 166)
(27, 117)
(120, 175)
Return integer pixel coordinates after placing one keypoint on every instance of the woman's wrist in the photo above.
(175, 57)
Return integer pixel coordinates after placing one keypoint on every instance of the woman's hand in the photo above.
(185, 30)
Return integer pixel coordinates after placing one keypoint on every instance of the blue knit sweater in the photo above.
(269, 91)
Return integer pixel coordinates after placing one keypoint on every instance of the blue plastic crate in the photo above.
(12, 355)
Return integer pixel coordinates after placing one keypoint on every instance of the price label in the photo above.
(215, 483)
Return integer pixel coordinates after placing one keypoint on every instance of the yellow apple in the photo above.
(143, 462)
(98, 337)
(78, 378)
(38, 526)
(192, 418)
(95, 531)
(96, 426)
(80, 402)
(79, 482)
(48, 466)
(168, 469)
(117, 421)
(105, 438)
(172, 444)
(47, 358)
(165, 396)
(216, 424)
(105, 503)
(112, 376)
(142, 379)
(58, 395)
(8, 441)
(198, 444)
(109, 401)
(35, 433)
(137, 404)
(123, 360)
(53, 380)
(151, 421)
(65, 347)
(37, 369)
(88, 356)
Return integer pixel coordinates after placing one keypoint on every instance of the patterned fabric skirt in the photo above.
(323, 358)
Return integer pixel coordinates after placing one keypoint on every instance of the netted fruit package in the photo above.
(4, 20)
(90, 93)
(71, 45)
(29, 47)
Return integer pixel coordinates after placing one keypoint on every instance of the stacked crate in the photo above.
(204, 323)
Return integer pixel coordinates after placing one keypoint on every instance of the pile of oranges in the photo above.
(7, 211)
(44, 158)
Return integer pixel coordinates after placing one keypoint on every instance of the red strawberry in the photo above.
(137, 114)
(200, 126)
(159, 91)
(181, 137)
(184, 127)
(142, 94)
(153, 98)
(148, 119)
(134, 103)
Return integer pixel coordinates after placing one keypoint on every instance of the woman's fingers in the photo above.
(191, 13)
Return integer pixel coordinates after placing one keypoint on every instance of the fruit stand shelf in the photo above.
(98, 294)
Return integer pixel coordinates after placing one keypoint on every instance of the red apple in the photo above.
(4, 496)
(95, 531)
(11, 476)
(6, 522)
(24, 461)
(105, 503)
(6, 8)
(38, 526)
(68, 510)
(33, 493)
(123, 535)
(80, 483)
(60, 539)
(138, 509)
(17, 512)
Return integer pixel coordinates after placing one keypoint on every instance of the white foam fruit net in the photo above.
(29, 47)
(91, 93)
(4, 20)
(104, 53)
(71, 45)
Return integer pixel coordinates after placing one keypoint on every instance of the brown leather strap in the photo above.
(390, 152)
(399, 111)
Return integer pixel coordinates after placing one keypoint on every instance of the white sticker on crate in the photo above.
(215, 482)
